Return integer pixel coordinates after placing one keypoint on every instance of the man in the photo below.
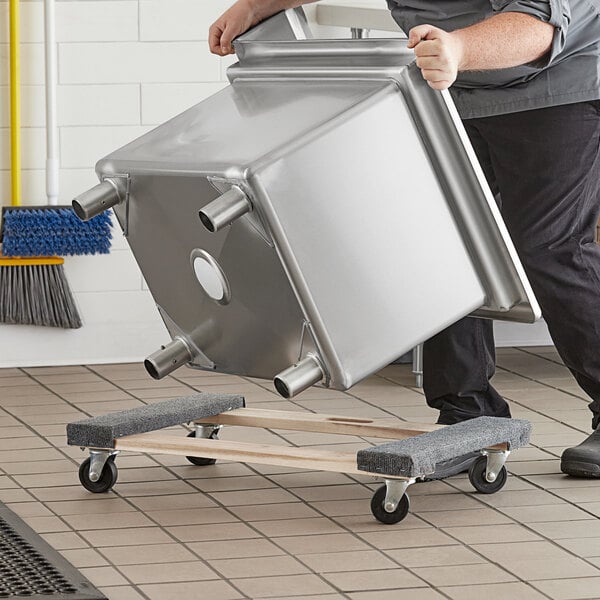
(525, 76)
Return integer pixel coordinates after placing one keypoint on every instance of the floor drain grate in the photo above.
(30, 568)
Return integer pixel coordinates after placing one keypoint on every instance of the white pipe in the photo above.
(52, 157)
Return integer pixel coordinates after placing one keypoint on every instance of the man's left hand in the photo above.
(439, 55)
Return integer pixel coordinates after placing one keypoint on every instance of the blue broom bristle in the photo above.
(54, 231)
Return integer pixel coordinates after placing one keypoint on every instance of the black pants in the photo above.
(545, 166)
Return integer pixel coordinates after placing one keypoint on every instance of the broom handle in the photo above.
(15, 104)
(52, 160)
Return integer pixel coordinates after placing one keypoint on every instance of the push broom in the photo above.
(33, 286)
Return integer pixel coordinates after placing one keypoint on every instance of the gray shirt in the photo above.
(569, 73)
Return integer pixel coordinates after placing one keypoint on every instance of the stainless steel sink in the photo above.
(314, 220)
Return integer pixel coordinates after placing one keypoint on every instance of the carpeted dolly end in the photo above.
(101, 432)
(417, 456)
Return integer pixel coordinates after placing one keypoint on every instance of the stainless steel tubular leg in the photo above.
(394, 490)
(98, 199)
(168, 358)
(495, 461)
(418, 365)
(300, 377)
(98, 459)
(225, 209)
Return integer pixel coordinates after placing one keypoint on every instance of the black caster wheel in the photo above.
(107, 480)
(200, 461)
(382, 515)
(480, 483)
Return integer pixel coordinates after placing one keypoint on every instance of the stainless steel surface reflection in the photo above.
(370, 226)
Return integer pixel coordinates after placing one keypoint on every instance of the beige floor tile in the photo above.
(168, 572)
(362, 560)
(224, 484)
(268, 496)
(560, 530)
(220, 531)
(30, 509)
(457, 518)
(374, 580)
(65, 540)
(562, 568)
(46, 524)
(120, 593)
(172, 502)
(48, 480)
(126, 537)
(147, 554)
(61, 465)
(512, 552)
(499, 591)
(543, 514)
(570, 589)
(103, 576)
(406, 594)
(315, 544)
(396, 537)
(249, 548)
(116, 520)
(103, 506)
(585, 547)
(155, 488)
(215, 590)
(434, 556)
(333, 493)
(519, 498)
(473, 573)
(310, 479)
(84, 557)
(289, 586)
(482, 534)
(234, 568)
(191, 516)
(290, 527)
(274, 512)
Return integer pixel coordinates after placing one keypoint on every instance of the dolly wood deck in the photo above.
(286, 456)
(266, 454)
(319, 423)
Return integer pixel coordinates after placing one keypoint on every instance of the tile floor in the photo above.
(170, 530)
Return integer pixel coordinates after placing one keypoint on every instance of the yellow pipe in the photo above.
(15, 104)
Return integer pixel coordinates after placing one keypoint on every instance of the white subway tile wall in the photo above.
(123, 67)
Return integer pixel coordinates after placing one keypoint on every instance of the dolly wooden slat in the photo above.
(286, 456)
(298, 421)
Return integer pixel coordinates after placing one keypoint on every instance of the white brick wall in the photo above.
(124, 66)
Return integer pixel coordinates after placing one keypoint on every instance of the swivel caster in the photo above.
(106, 480)
(201, 461)
(378, 507)
(480, 476)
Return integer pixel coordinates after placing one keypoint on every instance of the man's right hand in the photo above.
(233, 22)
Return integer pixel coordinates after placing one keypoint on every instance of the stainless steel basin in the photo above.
(324, 210)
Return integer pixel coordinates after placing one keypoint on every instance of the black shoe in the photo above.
(454, 466)
(583, 460)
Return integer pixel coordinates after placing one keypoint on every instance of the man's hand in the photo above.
(233, 22)
(439, 55)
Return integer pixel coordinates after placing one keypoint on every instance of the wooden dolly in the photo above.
(411, 456)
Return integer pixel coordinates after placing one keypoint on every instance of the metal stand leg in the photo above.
(358, 33)
(418, 365)
(206, 431)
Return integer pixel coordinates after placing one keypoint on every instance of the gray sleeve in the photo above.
(555, 12)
